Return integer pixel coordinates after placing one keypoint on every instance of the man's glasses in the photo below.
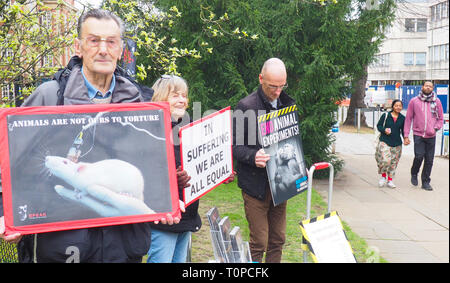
(274, 87)
(113, 43)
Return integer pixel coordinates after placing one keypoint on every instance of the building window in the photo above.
(446, 52)
(6, 92)
(439, 11)
(435, 53)
(415, 25)
(47, 60)
(46, 20)
(421, 58)
(408, 59)
(421, 25)
(7, 54)
(444, 9)
(433, 13)
(410, 25)
(381, 60)
(430, 54)
(415, 59)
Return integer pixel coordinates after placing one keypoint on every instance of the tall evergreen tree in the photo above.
(325, 45)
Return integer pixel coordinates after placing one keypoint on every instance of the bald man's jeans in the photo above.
(267, 225)
(423, 152)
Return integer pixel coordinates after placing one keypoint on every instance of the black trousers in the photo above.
(423, 151)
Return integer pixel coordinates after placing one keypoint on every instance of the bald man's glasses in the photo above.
(275, 87)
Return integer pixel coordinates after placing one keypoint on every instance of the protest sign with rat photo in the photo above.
(70, 167)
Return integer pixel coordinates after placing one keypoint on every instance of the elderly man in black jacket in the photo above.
(267, 223)
(92, 77)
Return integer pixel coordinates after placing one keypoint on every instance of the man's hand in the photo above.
(13, 238)
(406, 141)
(261, 158)
(231, 178)
(182, 178)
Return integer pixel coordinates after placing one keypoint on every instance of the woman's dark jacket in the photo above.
(190, 220)
(394, 139)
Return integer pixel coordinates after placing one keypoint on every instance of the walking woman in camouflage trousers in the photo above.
(389, 148)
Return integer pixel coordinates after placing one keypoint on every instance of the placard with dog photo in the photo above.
(70, 167)
(279, 135)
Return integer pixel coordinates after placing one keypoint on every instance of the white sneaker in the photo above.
(391, 184)
(382, 182)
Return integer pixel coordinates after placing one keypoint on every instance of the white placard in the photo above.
(442, 90)
(328, 241)
(206, 153)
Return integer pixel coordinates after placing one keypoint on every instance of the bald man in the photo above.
(267, 223)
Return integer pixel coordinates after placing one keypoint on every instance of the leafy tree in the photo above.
(294, 31)
(157, 52)
(32, 33)
(369, 22)
(325, 45)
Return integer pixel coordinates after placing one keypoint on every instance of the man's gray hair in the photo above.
(100, 14)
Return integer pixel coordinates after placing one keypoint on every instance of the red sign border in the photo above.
(85, 223)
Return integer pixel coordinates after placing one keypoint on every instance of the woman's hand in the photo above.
(13, 238)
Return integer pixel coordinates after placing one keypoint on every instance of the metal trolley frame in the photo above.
(314, 167)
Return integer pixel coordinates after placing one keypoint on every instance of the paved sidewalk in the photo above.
(406, 224)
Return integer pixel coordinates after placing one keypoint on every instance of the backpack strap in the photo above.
(146, 92)
(61, 77)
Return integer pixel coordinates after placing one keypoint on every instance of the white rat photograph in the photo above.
(110, 187)
(86, 171)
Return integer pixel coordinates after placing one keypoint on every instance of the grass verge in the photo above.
(228, 200)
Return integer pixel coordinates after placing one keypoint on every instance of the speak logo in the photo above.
(372, 4)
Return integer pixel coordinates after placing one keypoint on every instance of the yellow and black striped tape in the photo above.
(276, 113)
(306, 245)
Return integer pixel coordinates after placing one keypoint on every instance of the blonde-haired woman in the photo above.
(174, 90)
(170, 242)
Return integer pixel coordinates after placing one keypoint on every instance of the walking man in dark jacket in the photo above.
(99, 46)
(267, 223)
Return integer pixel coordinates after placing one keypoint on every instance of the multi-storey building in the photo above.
(416, 45)
(415, 50)
(403, 54)
(57, 17)
(437, 42)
